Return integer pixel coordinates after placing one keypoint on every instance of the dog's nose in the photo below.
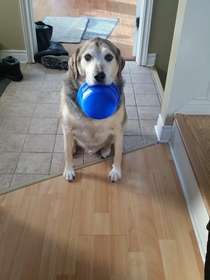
(100, 77)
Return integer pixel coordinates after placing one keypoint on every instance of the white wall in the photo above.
(188, 81)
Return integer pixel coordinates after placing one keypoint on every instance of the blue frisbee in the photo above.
(98, 101)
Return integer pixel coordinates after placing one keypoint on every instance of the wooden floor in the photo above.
(125, 10)
(195, 133)
(137, 228)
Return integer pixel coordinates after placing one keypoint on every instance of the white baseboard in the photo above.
(151, 58)
(163, 132)
(20, 55)
(195, 204)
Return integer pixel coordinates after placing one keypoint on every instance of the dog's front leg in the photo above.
(68, 173)
(115, 173)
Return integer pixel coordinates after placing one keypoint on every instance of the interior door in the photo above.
(142, 31)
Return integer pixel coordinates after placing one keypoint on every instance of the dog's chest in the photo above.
(92, 131)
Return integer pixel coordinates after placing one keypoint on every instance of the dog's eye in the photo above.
(109, 57)
(88, 57)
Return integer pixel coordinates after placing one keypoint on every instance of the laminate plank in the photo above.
(102, 257)
(85, 255)
(119, 256)
(137, 265)
(171, 260)
(58, 230)
(182, 236)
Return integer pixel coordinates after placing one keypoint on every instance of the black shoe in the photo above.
(54, 49)
(55, 62)
(10, 68)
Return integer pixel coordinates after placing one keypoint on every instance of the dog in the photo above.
(97, 61)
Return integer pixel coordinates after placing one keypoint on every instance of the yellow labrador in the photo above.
(97, 61)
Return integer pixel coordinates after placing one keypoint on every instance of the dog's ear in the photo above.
(121, 63)
(73, 65)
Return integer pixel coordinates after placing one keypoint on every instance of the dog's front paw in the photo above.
(69, 174)
(115, 174)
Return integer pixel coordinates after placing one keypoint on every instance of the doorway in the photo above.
(122, 36)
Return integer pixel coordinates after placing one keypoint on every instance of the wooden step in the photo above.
(195, 134)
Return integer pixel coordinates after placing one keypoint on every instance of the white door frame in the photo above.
(142, 32)
(27, 14)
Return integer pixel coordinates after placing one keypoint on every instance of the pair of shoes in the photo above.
(55, 62)
(10, 68)
(54, 49)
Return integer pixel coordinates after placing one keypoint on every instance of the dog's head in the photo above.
(97, 61)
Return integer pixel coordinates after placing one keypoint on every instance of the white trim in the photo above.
(151, 58)
(158, 83)
(29, 32)
(195, 204)
(163, 132)
(197, 106)
(141, 34)
(20, 55)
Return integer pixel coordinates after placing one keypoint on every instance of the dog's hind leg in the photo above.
(105, 152)
(68, 173)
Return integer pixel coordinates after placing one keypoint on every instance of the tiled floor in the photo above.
(31, 140)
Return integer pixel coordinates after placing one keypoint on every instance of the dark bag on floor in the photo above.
(43, 35)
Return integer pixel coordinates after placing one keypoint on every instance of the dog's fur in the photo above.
(97, 61)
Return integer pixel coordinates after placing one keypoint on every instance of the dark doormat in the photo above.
(3, 84)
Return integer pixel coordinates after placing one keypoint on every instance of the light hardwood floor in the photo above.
(137, 228)
(122, 35)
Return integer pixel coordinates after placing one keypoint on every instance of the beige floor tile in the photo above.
(11, 142)
(8, 162)
(49, 97)
(43, 126)
(19, 179)
(5, 180)
(127, 78)
(132, 112)
(131, 142)
(3, 108)
(149, 139)
(148, 126)
(20, 110)
(147, 100)
(144, 89)
(15, 125)
(34, 163)
(46, 111)
(52, 85)
(59, 146)
(149, 113)
(142, 78)
(25, 97)
(132, 128)
(128, 88)
(7, 96)
(39, 143)
(27, 85)
(136, 69)
(130, 99)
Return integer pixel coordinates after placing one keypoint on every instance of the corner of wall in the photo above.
(163, 132)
